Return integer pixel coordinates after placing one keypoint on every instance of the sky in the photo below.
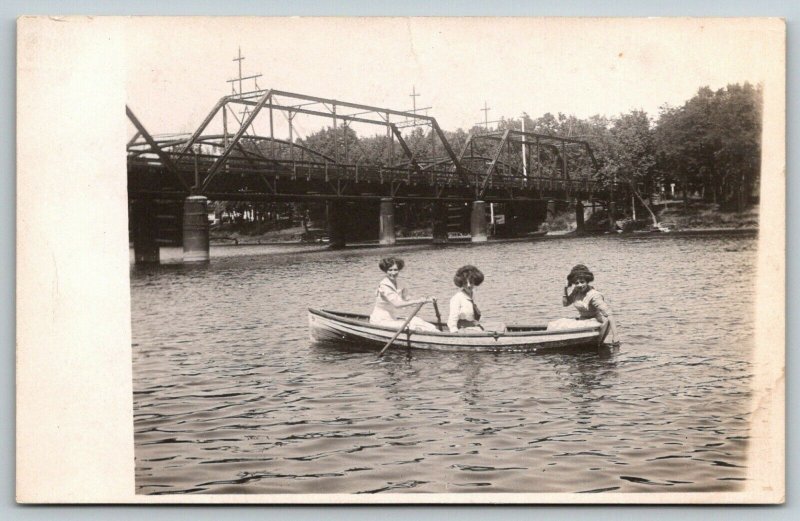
(177, 68)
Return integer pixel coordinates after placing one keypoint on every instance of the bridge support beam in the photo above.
(145, 228)
(337, 224)
(511, 220)
(477, 222)
(386, 230)
(195, 229)
(579, 224)
(439, 218)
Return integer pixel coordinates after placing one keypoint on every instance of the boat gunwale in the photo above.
(364, 321)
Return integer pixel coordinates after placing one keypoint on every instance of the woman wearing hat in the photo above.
(391, 298)
(464, 313)
(588, 301)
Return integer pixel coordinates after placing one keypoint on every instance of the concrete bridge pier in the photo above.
(145, 226)
(337, 224)
(612, 209)
(552, 210)
(439, 219)
(511, 220)
(386, 235)
(195, 229)
(477, 224)
(579, 224)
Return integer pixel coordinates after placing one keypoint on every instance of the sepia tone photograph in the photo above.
(450, 259)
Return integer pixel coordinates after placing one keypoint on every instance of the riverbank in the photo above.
(705, 216)
(697, 218)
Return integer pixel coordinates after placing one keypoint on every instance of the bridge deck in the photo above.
(258, 178)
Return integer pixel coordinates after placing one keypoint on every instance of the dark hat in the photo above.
(580, 270)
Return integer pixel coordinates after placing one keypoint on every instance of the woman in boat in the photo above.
(588, 301)
(464, 313)
(392, 297)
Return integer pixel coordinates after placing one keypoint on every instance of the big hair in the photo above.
(468, 273)
(580, 270)
(387, 263)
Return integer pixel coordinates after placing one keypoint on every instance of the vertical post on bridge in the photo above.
(291, 137)
(386, 229)
(335, 138)
(477, 224)
(271, 135)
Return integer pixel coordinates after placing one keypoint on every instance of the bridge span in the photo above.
(521, 170)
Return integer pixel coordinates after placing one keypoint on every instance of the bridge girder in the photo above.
(244, 161)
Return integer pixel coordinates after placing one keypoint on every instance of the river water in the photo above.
(231, 396)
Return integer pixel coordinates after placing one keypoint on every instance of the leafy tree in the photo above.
(712, 143)
(341, 144)
(631, 156)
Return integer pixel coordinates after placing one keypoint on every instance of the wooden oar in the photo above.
(438, 316)
(416, 310)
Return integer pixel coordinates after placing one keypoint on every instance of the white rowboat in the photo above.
(356, 331)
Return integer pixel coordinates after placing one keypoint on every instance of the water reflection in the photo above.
(230, 396)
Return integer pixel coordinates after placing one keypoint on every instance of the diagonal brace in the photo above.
(450, 153)
(165, 160)
(202, 127)
(224, 156)
(492, 166)
(404, 145)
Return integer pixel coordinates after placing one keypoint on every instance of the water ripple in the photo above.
(230, 397)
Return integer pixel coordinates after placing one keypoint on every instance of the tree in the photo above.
(340, 144)
(712, 143)
(632, 155)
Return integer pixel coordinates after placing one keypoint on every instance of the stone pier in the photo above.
(612, 209)
(386, 235)
(552, 210)
(477, 223)
(195, 229)
(145, 229)
(579, 223)
(337, 224)
(439, 219)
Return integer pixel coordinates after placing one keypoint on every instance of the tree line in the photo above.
(709, 147)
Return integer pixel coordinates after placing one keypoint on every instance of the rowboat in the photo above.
(354, 330)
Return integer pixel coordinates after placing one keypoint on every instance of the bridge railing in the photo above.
(198, 165)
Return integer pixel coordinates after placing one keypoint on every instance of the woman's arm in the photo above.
(566, 300)
(604, 314)
(395, 298)
(455, 312)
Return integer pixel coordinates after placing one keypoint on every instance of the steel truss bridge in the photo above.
(240, 165)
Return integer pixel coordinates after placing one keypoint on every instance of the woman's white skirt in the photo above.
(570, 323)
(416, 323)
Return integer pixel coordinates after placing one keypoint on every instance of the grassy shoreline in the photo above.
(697, 217)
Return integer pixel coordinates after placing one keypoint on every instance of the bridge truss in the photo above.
(238, 163)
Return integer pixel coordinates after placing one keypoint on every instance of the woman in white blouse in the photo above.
(589, 302)
(391, 298)
(464, 313)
